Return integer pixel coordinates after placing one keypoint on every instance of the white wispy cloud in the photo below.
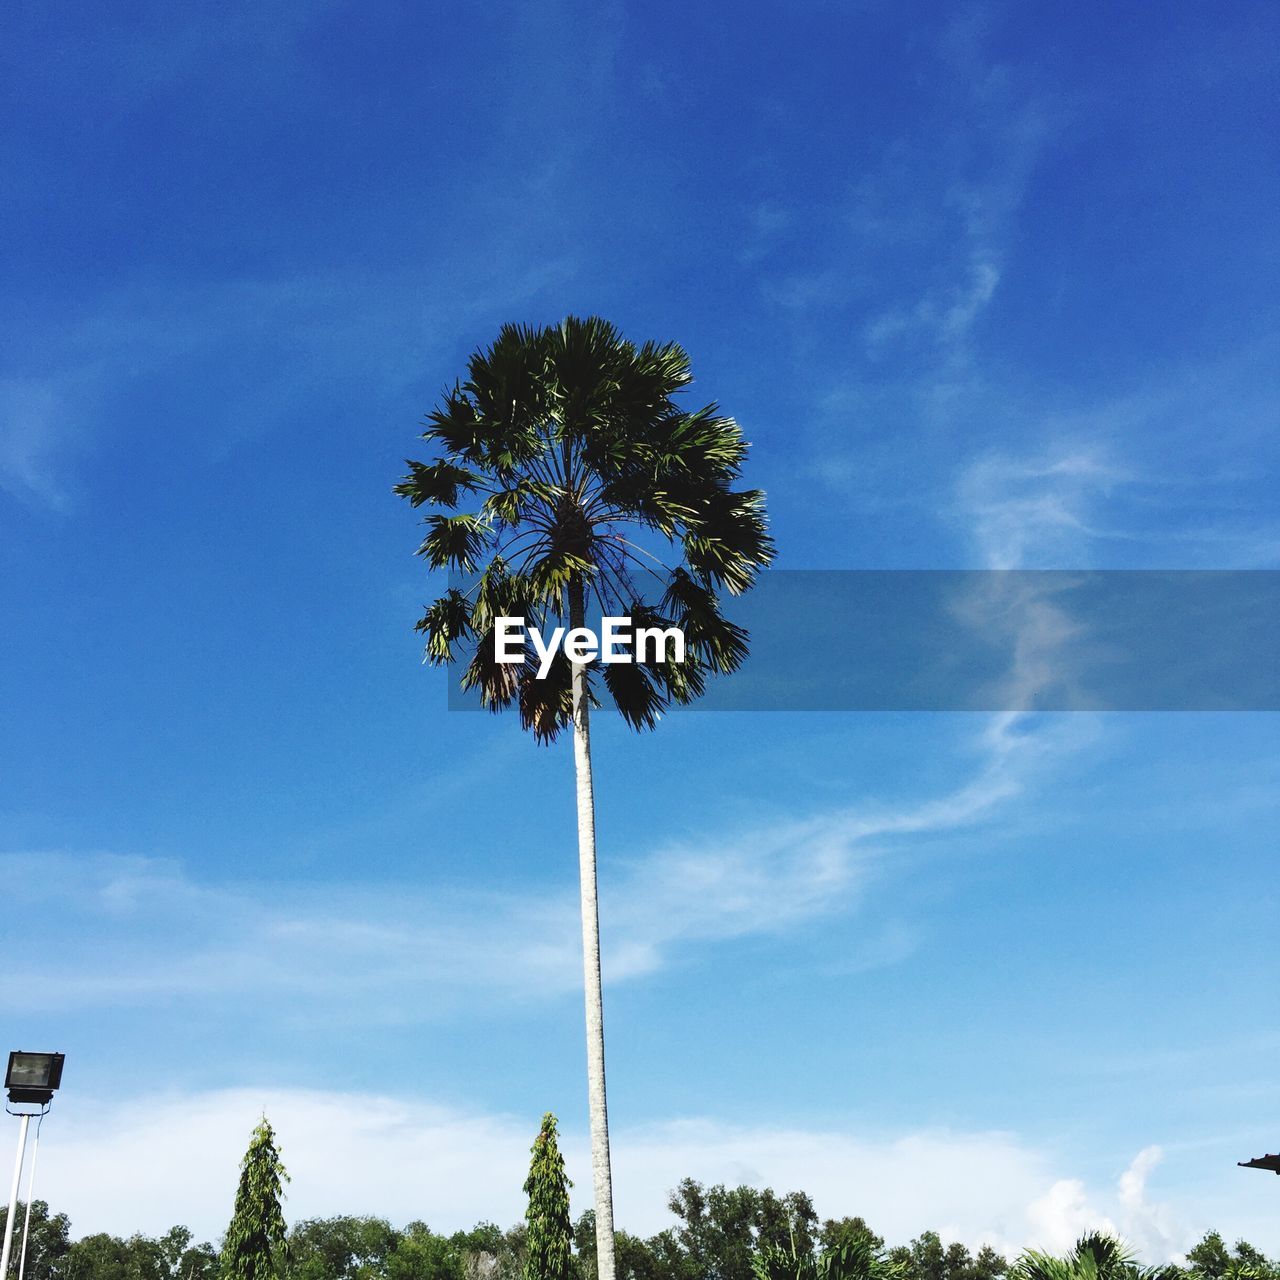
(374, 944)
(1174, 472)
(1029, 512)
(158, 47)
(93, 382)
(33, 427)
(997, 128)
(777, 879)
(157, 932)
(139, 931)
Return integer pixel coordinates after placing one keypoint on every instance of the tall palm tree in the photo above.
(585, 479)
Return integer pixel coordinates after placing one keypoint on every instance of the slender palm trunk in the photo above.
(599, 1111)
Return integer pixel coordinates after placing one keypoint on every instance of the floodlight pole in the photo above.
(26, 1221)
(13, 1197)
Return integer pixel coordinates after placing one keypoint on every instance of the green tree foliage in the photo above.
(856, 1258)
(489, 1253)
(172, 1256)
(721, 1229)
(570, 446)
(106, 1257)
(341, 1248)
(52, 1255)
(255, 1240)
(356, 1248)
(182, 1259)
(712, 1224)
(550, 1239)
(48, 1239)
(927, 1258)
(584, 1236)
(854, 1255)
(420, 1254)
(1095, 1257)
(1212, 1260)
(657, 1258)
(484, 1238)
(841, 1231)
(509, 1264)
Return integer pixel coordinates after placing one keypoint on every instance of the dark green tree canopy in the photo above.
(723, 1230)
(1212, 1260)
(254, 1244)
(567, 471)
(839, 1231)
(341, 1248)
(172, 1256)
(927, 1258)
(367, 1248)
(48, 1241)
(362, 1248)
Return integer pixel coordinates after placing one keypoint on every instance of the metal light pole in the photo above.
(26, 1220)
(30, 1080)
(13, 1197)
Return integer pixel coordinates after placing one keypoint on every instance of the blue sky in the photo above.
(987, 286)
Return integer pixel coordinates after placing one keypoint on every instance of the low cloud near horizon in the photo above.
(122, 1168)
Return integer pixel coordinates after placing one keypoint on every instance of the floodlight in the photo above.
(32, 1077)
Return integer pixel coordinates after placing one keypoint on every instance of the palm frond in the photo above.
(1096, 1256)
(721, 644)
(1033, 1265)
(436, 483)
(682, 679)
(635, 693)
(456, 425)
(498, 683)
(445, 622)
(1108, 1255)
(546, 705)
(727, 542)
(517, 501)
(454, 542)
(702, 445)
(550, 575)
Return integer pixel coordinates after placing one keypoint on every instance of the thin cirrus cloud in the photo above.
(1145, 477)
(374, 943)
(317, 942)
(85, 383)
(156, 933)
(35, 424)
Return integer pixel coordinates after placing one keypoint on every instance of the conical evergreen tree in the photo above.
(550, 1232)
(254, 1246)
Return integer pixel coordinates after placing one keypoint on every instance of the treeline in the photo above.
(720, 1233)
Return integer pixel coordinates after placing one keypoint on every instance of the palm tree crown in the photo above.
(1096, 1256)
(568, 446)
